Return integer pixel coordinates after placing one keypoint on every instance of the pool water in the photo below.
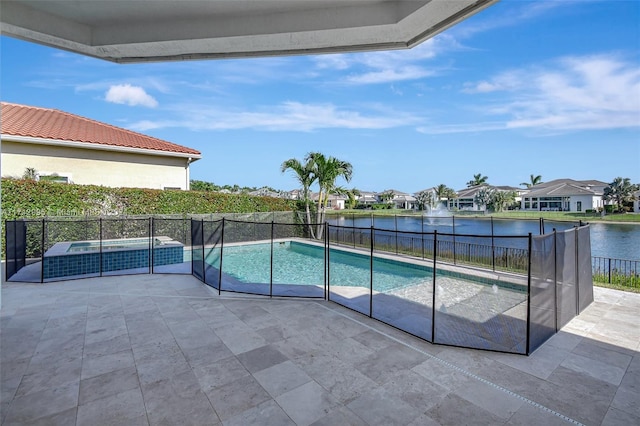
(299, 263)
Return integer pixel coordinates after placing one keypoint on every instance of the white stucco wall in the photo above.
(96, 167)
(588, 202)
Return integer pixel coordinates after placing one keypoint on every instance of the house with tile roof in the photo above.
(400, 200)
(69, 148)
(564, 195)
(466, 198)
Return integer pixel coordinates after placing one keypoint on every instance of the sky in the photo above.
(548, 88)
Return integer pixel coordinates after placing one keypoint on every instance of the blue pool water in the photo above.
(299, 263)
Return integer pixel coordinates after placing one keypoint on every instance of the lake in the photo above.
(620, 241)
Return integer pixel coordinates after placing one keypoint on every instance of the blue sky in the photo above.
(550, 88)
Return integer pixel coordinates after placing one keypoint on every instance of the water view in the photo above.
(613, 240)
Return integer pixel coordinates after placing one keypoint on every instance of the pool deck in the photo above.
(165, 349)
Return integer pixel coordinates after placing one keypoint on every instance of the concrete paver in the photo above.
(165, 349)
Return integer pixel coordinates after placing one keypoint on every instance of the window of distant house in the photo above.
(171, 188)
(54, 178)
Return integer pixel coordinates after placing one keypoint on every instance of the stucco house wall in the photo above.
(588, 202)
(83, 151)
(96, 167)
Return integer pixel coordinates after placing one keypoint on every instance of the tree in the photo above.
(30, 174)
(326, 171)
(306, 176)
(502, 199)
(484, 197)
(352, 195)
(620, 191)
(199, 185)
(425, 199)
(534, 181)
(387, 196)
(444, 192)
(477, 180)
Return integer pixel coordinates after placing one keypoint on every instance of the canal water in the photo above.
(612, 240)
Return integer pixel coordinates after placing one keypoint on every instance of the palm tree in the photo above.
(306, 176)
(503, 199)
(484, 197)
(620, 191)
(352, 195)
(30, 174)
(443, 191)
(425, 199)
(326, 171)
(534, 181)
(477, 180)
(387, 196)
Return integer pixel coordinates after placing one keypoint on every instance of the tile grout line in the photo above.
(461, 370)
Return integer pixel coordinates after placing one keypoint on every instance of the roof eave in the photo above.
(96, 146)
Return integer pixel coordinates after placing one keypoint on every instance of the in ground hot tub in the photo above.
(70, 258)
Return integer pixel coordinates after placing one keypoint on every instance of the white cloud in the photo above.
(390, 75)
(387, 66)
(513, 15)
(573, 93)
(288, 116)
(506, 81)
(130, 95)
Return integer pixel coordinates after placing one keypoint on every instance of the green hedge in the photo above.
(31, 199)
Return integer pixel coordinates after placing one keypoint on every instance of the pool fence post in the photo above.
(395, 219)
(577, 265)
(100, 247)
(529, 297)
(433, 292)
(271, 264)
(555, 278)
(204, 270)
(220, 264)
(422, 236)
(371, 276)
(325, 271)
(43, 250)
(191, 239)
(353, 230)
(493, 248)
(453, 230)
(151, 245)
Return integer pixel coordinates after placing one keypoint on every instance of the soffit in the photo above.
(159, 30)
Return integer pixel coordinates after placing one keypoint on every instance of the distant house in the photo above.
(636, 202)
(564, 195)
(466, 198)
(266, 192)
(74, 149)
(334, 201)
(367, 198)
(400, 200)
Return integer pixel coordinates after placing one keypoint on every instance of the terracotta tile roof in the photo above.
(45, 123)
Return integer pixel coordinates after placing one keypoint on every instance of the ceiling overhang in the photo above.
(160, 30)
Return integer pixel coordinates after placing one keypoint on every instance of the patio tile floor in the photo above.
(165, 349)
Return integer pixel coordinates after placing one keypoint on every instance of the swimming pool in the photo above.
(303, 264)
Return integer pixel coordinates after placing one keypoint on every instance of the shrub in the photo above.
(381, 206)
(31, 199)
